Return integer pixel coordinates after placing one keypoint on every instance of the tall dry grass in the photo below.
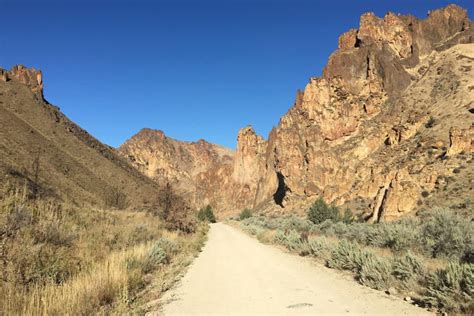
(59, 259)
(91, 291)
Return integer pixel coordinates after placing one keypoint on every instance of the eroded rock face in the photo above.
(354, 134)
(29, 76)
(182, 164)
(460, 141)
(371, 134)
(249, 160)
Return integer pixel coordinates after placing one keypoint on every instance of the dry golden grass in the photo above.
(84, 294)
(64, 260)
(165, 278)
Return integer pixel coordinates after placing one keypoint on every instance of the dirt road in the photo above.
(237, 275)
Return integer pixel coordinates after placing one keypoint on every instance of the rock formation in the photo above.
(391, 115)
(28, 76)
(178, 163)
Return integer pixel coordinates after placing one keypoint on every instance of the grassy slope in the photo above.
(63, 250)
(73, 164)
(61, 259)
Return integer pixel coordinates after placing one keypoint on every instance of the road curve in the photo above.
(237, 275)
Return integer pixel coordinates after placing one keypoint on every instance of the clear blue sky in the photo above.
(194, 69)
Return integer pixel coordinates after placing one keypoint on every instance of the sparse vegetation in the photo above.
(246, 213)
(115, 198)
(431, 255)
(206, 214)
(431, 122)
(59, 259)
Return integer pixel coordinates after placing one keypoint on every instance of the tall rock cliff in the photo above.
(361, 134)
(181, 164)
(386, 130)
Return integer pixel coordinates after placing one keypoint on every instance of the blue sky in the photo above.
(194, 69)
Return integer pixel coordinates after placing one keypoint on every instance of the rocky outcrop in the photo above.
(460, 141)
(28, 76)
(203, 173)
(371, 133)
(185, 165)
(249, 160)
(353, 135)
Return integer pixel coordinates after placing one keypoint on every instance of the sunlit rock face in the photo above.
(358, 135)
(390, 116)
(30, 77)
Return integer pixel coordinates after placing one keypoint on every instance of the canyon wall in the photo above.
(383, 132)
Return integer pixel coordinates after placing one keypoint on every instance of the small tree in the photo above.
(321, 211)
(175, 211)
(206, 214)
(246, 213)
(115, 198)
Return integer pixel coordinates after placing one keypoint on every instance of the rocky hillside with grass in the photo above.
(40, 146)
(65, 248)
(386, 130)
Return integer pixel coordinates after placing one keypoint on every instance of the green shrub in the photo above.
(260, 221)
(398, 236)
(296, 223)
(157, 255)
(162, 252)
(347, 217)
(346, 256)
(451, 288)
(253, 229)
(445, 234)
(206, 214)
(280, 237)
(318, 247)
(247, 213)
(290, 239)
(374, 271)
(370, 270)
(437, 234)
(408, 267)
(293, 241)
(320, 212)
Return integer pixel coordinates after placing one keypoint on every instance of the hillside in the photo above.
(56, 157)
(386, 130)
